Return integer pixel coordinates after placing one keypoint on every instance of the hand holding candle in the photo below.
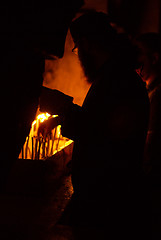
(46, 126)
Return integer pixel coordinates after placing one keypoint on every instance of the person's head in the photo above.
(98, 42)
(94, 37)
(149, 59)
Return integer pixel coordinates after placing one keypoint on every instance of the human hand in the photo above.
(46, 127)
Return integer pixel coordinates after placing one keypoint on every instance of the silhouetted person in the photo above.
(30, 32)
(150, 63)
(109, 130)
(150, 70)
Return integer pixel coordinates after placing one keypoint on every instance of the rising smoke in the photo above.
(66, 74)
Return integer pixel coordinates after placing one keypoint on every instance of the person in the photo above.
(149, 69)
(109, 129)
(30, 32)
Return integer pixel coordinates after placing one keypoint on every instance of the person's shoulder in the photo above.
(131, 79)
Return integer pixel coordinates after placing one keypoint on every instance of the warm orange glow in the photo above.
(66, 74)
(34, 122)
(43, 116)
(38, 147)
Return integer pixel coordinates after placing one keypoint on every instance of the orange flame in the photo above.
(37, 147)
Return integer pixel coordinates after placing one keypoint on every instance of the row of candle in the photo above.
(38, 147)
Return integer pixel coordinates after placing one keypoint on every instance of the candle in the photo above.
(32, 149)
(43, 148)
(58, 141)
(26, 149)
(53, 139)
(39, 148)
(36, 148)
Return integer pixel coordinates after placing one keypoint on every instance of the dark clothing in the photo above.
(109, 131)
(152, 158)
(153, 144)
(22, 77)
(28, 30)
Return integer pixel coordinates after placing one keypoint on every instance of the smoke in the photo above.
(66, 74)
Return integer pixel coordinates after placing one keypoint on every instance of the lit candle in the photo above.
(32, 150)
(53, 140)
(27, 141)
(39, 149)
(36, 148)
(58, 140)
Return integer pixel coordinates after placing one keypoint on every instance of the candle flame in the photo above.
(43, 116)
(39, 147)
